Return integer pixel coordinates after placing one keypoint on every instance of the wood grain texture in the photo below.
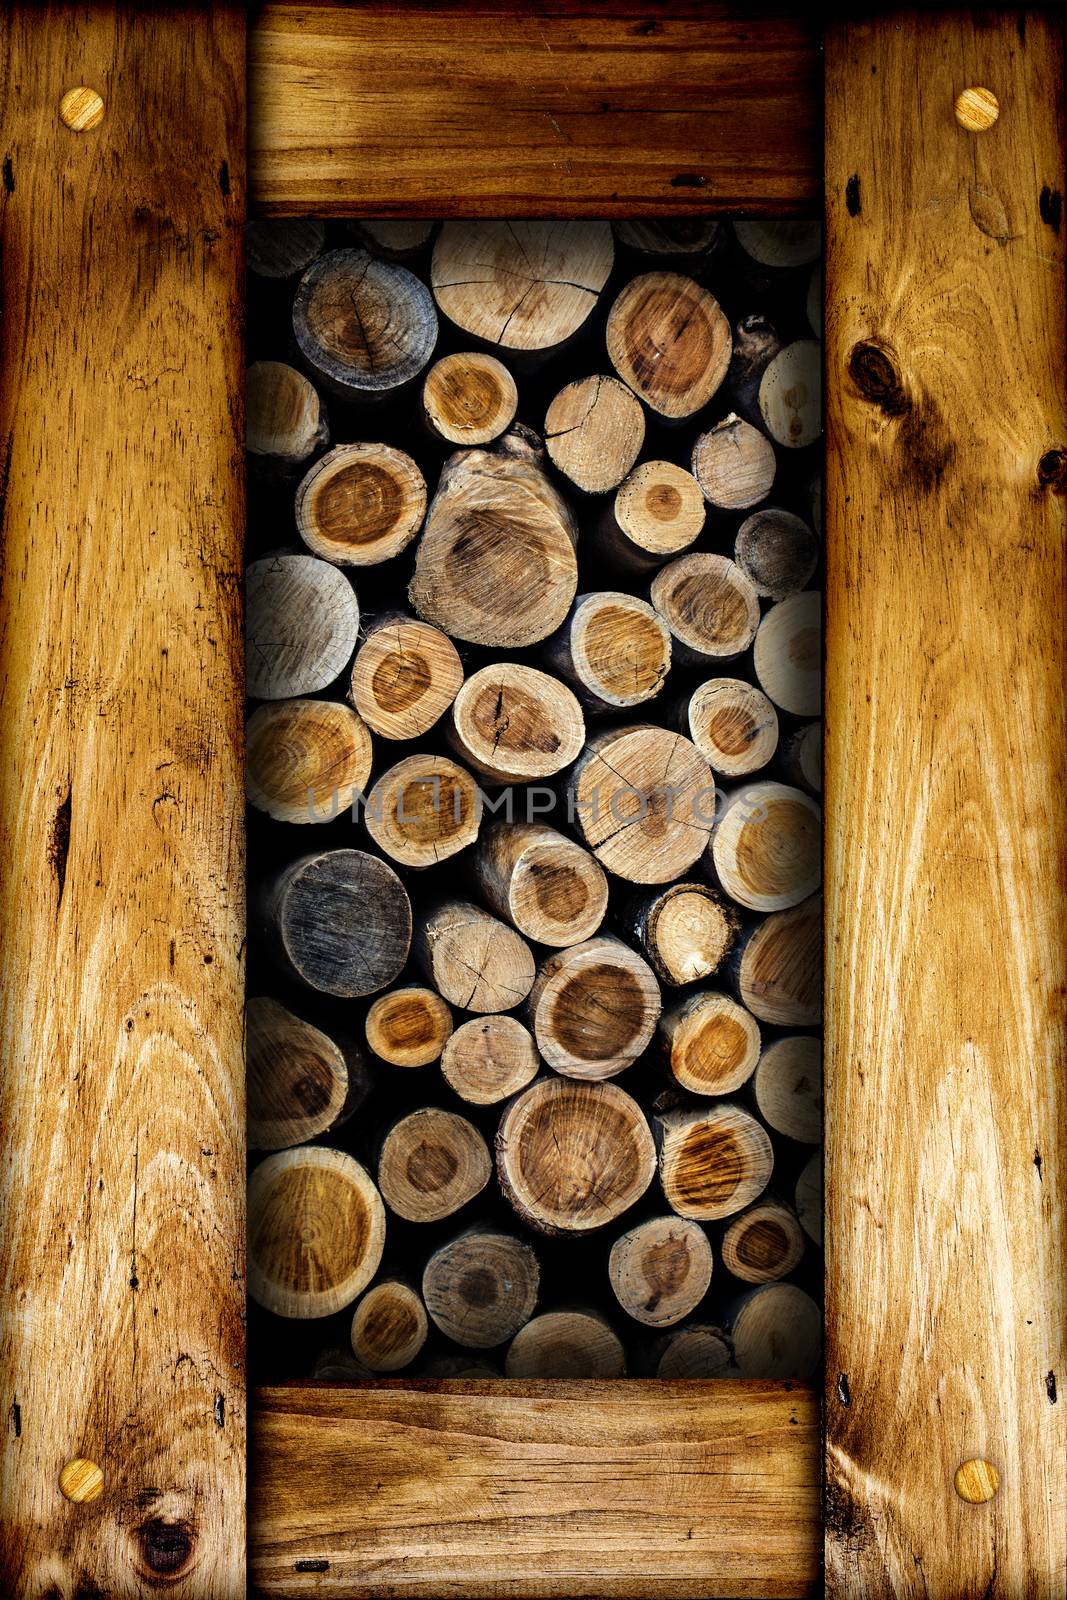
(946, 913)
(490, 109)
(552, 1491)
(121, 898)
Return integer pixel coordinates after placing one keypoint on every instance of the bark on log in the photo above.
(776, 1331)
(306, 760)
(394, 238)
(700, 1351)
(481, 1287)
(364, 327)
(643, 799)
(316, 1230)
(787, 655)
(661, 1270)
(496, 563)
(732, 724)
(780, 244)
(432, 1163)
(405, 677)
(790, 395)
(681, 236)
(408, 1027)
(767, 847)
(339, 921)
(360, 504)
(788, 1087)
(522, 286)
(809, 1199)
(514, 724)
(763, 1244)
(710, 607)
(389, 1326)
(657, 512)
(423, 810)
(756, 343)
(566, 1344)
(686, 931)
(614, 649)
(713, 1160)
(572, 1157)
(711, 1044)
(734, 464)
(594, 430)
(282, 247)
(777, 967)
(543, 883)
(670, 342)
(285, 421)
(593, 1008)
(301, 626)
(489, 1059)
(801, 758)
(475, 961)
(777, 552)
(301, 1084)
(469, 398)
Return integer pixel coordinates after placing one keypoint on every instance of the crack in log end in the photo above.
(1050, 205)
(166, 1547)
(872, 366)
(852, 195)
(843, 1392)
(1050, 1387)
(689, 180)
(59, 846)
(1052, 471)
(317, 1564)
(224, 177)
(9, 176)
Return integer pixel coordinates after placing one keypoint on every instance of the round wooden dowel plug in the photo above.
(364, 327)
(306, 760)
(777, 967)
(469, 398)
(734, 465)
(709, 605)
(566, 1344)
(408, 1027)
(300, 1082)
(496, 563)
(776, 551)
(339, 921)
(360, 504)
(661, 1270)
(475, 961)
(776, 1332)
(524, 286)
(644, 801)
(481, 1287)
(283, 247)
(316, 1231)
(670, 342)
(514, 724)
(543, 883)
(767, 847)
(81, 110)
(700, 1351)
(614, 649)
(489, 1059)
(594, 430)
(788, 1087)
(976, 1481)
(423, 810)
(711, 1044)
(686, 931)
(713, 1161)
(763, 1244)
(405, 677)
(657, 512)
(976, 109)
(594, 1008)
(432, 1163)
(285, 421)
(732, 724)
(389, 1327)
(81, 1480)
(301, 627)
(787, 655)
(573, 1156)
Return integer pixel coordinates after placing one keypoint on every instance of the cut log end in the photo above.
(361, 504)
(661, 1270)
(394, 238)
(779, 967)
(686, 931)
(615, 649)
(306, 760)
(364, 327)
(669, 341)
(283, 247)
(469, 398)
(790, 395)
(701, 1351)
(594, 1008)
(733, 725)
(340, 921)
(432, 1163)
(802, 757)
(475, 961)
(780, 244)
(285, 421)
(788, 1087)
(809, 1198)
(424, 810)
(734, 465)
(767, 848)
(713, 1162)
(777, 552)
(408, 1027)
(316, 1230)
(389, 1327)
(711, 1043)
(566, 1344)
(572, 1157)
(777, 1333)
(763, 1244)
(298, 1083)
(302, 624)
(543, 883)
(787, 655)
(682, 236)
(481, 1288)
(406, 675)
(514, 724)
(594, 430)
(709, 605)
(643, 798)
(658, 511)
(489, 1059)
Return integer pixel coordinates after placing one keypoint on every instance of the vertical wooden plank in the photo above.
(946, 909)
(121, 904)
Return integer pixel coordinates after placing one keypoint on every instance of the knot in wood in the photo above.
(1052, 470)
(166, 1547)
(872, 366)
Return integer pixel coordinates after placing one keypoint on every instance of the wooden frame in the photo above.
(120, 800)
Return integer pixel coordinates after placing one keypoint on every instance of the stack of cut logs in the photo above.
(534, 759)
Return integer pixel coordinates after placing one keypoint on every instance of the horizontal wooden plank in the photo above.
(491, 110)
(552, 1491)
